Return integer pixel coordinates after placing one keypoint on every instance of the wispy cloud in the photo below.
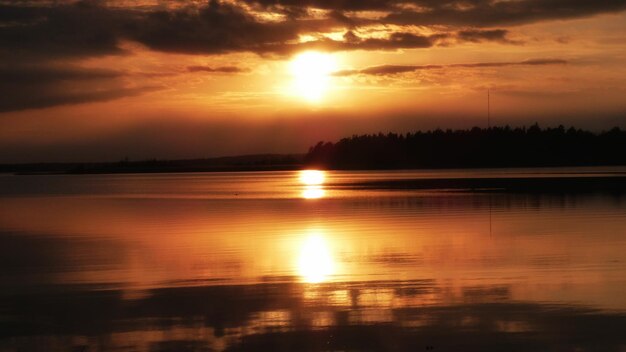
(217, 69)
(384, 70)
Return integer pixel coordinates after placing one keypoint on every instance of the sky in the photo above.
(107, 80)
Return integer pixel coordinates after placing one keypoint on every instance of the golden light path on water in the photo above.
(315, 261)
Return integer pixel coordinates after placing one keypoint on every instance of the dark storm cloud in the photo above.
(18, 75)
(36, 42)
(385, 70)
(342, 5)
(213, 29)
(89, 28)
(478, 35)
(85, 29)
(484, 13)
(460, 12)
(50, 32)
(21, 99)
(222, 28)
(25, 87)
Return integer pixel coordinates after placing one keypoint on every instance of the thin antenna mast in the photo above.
(489, 127)
(488, 110)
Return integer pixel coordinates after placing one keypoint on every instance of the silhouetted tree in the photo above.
(476, 147)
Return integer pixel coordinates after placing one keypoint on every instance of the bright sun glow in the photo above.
(312, 177)
(312, 71)
(315, 262)
(313, 192)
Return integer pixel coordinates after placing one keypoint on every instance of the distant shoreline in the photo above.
(114, 168)
(260, 162)
(179, 166)
(114, 171)
(476, 148)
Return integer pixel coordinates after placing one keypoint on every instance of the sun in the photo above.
(312, 73)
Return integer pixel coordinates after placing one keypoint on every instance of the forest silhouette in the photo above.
(476, 147)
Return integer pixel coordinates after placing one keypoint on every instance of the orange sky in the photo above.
(101, 80)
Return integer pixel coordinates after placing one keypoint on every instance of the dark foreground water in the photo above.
(287, 261)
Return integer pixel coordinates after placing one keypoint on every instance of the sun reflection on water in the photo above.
(312, 177)
(313, 192)
(315, 262)
(312, 181)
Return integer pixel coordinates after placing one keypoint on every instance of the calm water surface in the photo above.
(308, 261)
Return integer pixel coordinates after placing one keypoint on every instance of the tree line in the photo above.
(476, 147)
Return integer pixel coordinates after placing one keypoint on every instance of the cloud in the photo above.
(344, 5)
(91, 28)
(398, 40)
(479, 35)
(223, 28)
(220, 69)
(486, 13)
(50, 37)
(33, 99)
(479, 13)
(457, 5)
(543, 62)
(37, 33)
(27, 87)
(213, 29)
(18, 75)
(386, 70)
